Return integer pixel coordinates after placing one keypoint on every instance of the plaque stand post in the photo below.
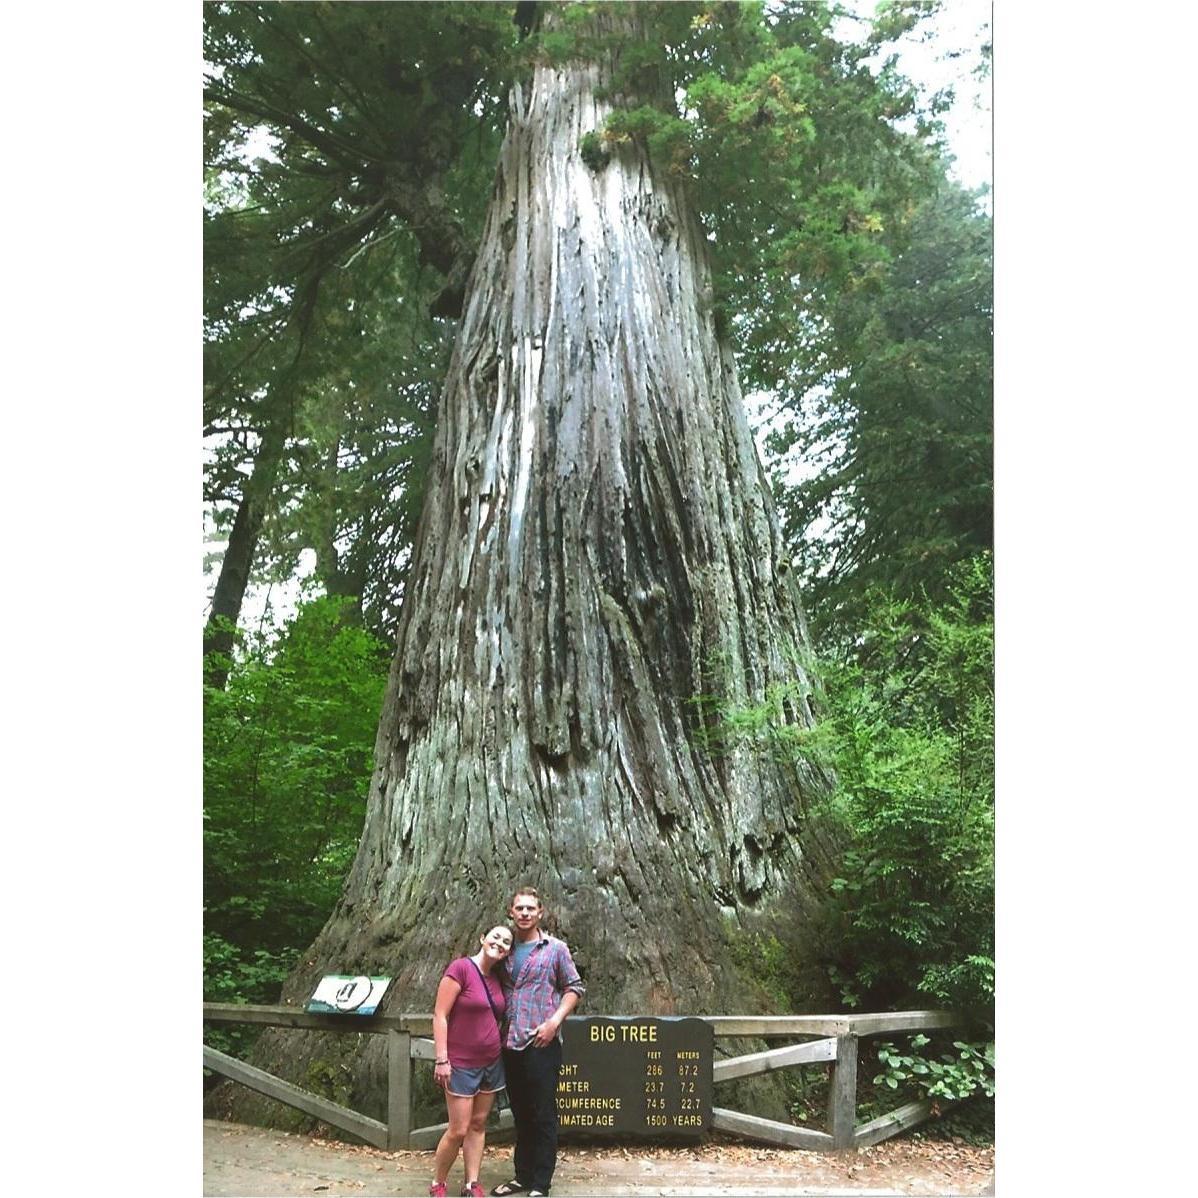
(399, 1089)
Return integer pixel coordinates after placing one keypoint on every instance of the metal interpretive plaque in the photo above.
(636, 1076)
(340, 994)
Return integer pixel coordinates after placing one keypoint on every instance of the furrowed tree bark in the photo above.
(597, 549)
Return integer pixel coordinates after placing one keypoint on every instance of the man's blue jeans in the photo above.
(532, 1092)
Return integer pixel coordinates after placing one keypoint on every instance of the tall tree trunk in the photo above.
(238, 558)
(597, 550)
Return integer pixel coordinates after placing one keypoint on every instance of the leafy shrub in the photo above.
(967, 1071)
(235, 975)
(239, 975)
(906, 724)
(909, 731)
(288, 748)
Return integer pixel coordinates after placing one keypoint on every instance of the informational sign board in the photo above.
(340, 994)
(635, 1076)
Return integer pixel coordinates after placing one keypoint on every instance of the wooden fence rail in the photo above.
(408, 1041)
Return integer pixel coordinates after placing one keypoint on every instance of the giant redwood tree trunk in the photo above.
(597, 549)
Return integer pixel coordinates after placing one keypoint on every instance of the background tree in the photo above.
(902, 427)
(358, 209)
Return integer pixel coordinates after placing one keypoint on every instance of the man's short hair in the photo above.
(529, 890)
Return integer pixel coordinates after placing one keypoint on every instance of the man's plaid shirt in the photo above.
(533, 995)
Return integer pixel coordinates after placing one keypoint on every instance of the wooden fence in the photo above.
(407, 1041)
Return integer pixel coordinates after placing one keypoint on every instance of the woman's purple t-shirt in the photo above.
(473, 1033)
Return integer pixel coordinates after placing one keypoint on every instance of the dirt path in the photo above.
(245, 1162)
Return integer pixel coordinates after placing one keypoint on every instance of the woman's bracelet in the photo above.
(446, 1062)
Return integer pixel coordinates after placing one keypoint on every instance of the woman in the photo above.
(469, 1062)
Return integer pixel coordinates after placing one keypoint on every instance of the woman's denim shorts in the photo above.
(465, 1083)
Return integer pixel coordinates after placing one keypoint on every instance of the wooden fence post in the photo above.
(842, 1101)
(399, 1089)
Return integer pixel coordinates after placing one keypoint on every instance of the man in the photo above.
(542, 987)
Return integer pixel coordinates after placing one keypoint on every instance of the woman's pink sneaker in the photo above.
(437, 1190)
(474, 1190)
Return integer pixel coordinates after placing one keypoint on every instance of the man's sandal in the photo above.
(510, 1187)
